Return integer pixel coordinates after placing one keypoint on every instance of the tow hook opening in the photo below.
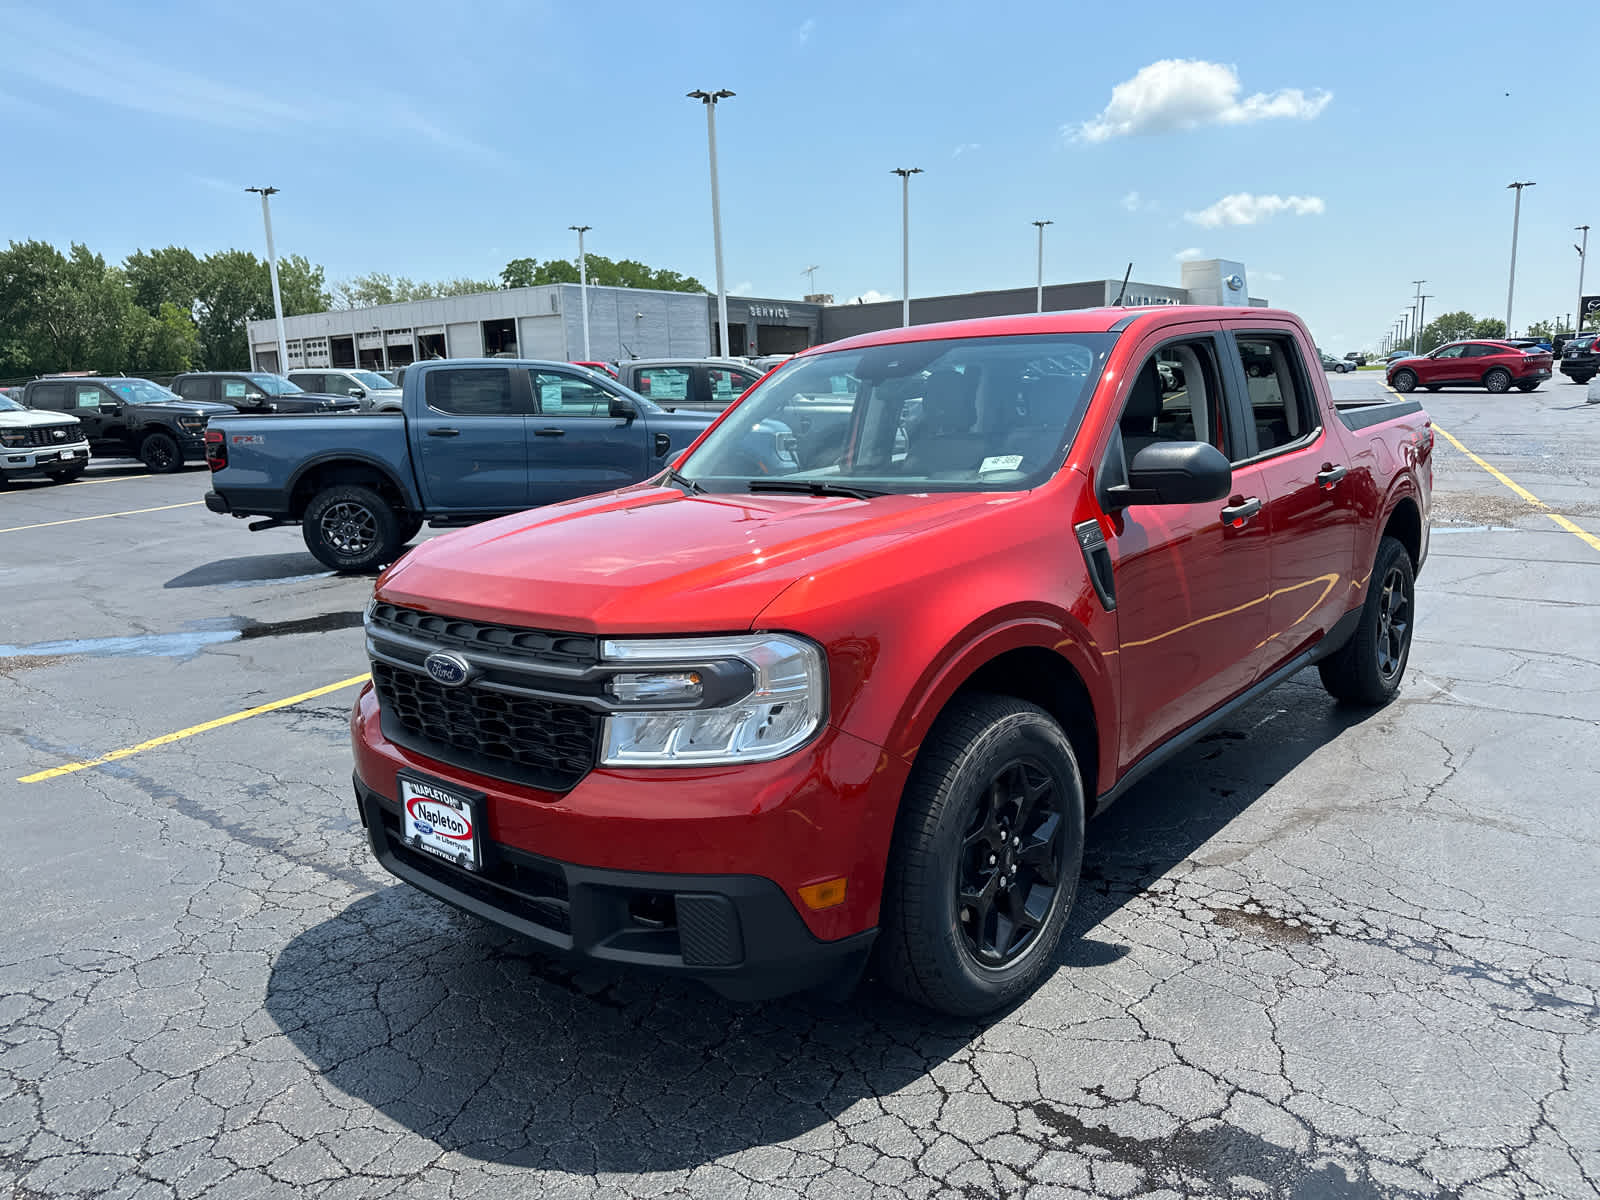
(652, 910)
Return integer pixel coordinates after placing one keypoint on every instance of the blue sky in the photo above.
(1339, 152)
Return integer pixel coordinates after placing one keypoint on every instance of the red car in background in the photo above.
(603, 367)
(1496, 366)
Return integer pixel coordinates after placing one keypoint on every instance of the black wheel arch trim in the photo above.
(337, 457)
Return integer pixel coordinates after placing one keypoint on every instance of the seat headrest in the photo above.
(1144, 400)
(947, 403)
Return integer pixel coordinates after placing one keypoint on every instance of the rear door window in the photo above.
(473, 391)
(727, 384)
(49, 395)
(1278, 388)
(664, 384)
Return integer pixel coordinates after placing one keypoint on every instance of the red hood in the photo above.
(650, 560)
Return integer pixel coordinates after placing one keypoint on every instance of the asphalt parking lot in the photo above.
(1326, 953)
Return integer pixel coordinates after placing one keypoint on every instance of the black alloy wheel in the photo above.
(984, 865)
(1394, 623)
(1011, 862)
(351, 528)
(160, 454)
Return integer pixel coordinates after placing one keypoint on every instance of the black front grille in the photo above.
(534, 645)
(544, 743)
(50, 435)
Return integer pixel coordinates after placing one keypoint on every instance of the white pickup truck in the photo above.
(40, 443)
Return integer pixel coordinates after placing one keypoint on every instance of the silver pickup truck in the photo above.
(40, 444)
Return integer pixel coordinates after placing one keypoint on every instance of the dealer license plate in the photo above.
(440, 822)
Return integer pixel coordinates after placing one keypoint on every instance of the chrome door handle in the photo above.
(1238, 515)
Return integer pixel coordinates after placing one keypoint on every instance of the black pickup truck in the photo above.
(130, 416)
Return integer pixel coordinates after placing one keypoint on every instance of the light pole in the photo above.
(1583, 253)
(272, 269)
(1422, 321)
(709, 99)
(1415, 333)
(811, 275)
(905, 174)
(1516, 219)
(1039, 302)
(583, 284)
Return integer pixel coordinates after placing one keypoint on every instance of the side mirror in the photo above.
(1174, 473)
(357, 393)
(623, 409)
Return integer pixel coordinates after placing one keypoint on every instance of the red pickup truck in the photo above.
(762, 727)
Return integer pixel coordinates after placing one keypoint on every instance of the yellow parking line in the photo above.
(132, 512)
(112, 479)
(167, 739)
(1521, 491)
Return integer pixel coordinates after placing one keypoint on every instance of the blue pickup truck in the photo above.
(475, 438)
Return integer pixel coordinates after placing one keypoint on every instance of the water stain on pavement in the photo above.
(184, 645)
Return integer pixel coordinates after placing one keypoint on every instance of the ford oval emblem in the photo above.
(1234, 283)
(448, 669)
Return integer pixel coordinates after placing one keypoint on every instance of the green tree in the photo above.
(234, 288)
(603, 272)
(171, 275)
(163, 344)
(301, 286)
(379, 287)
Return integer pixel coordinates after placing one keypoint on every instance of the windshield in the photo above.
(371, 379)
(142, 391)
(7, 404)
(275, 385)
(963, 414)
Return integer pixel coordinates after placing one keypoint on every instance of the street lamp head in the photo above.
(1520, 186)
(905, 172)
(266, 191)
(1042, 224)
(706, 97)
(580, 228)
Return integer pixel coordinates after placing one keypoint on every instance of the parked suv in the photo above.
(39, 444)
(370, 390)
(124, 416)
(258, 392)
(688, 384)
(1496, 366)
(1579, 362)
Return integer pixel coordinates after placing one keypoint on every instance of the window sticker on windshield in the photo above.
(1000, 462)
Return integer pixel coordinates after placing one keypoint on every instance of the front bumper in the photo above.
(40, 459)
(737, 933)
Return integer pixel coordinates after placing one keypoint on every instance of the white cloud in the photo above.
(1131, 202)
(1182, 93)
(807, 28)
(1189, 254)
(1241, 208)
(965, 147)
(873, 296)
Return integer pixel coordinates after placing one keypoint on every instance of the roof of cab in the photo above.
(1077, 320)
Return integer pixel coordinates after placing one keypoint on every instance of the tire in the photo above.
(68, 474)
(351, 528)
(410, 526)
(1432, 387)
(1369, 667)
(160, 453)
(948, 940)
(1581, 380)
(1528, 387)
(1404, 381)
(1498, 380)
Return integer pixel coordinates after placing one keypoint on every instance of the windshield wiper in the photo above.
(815, 487)
(691, 486)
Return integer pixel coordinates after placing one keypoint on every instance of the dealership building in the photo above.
(547, 322)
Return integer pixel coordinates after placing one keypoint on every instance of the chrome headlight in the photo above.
(750, 698)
